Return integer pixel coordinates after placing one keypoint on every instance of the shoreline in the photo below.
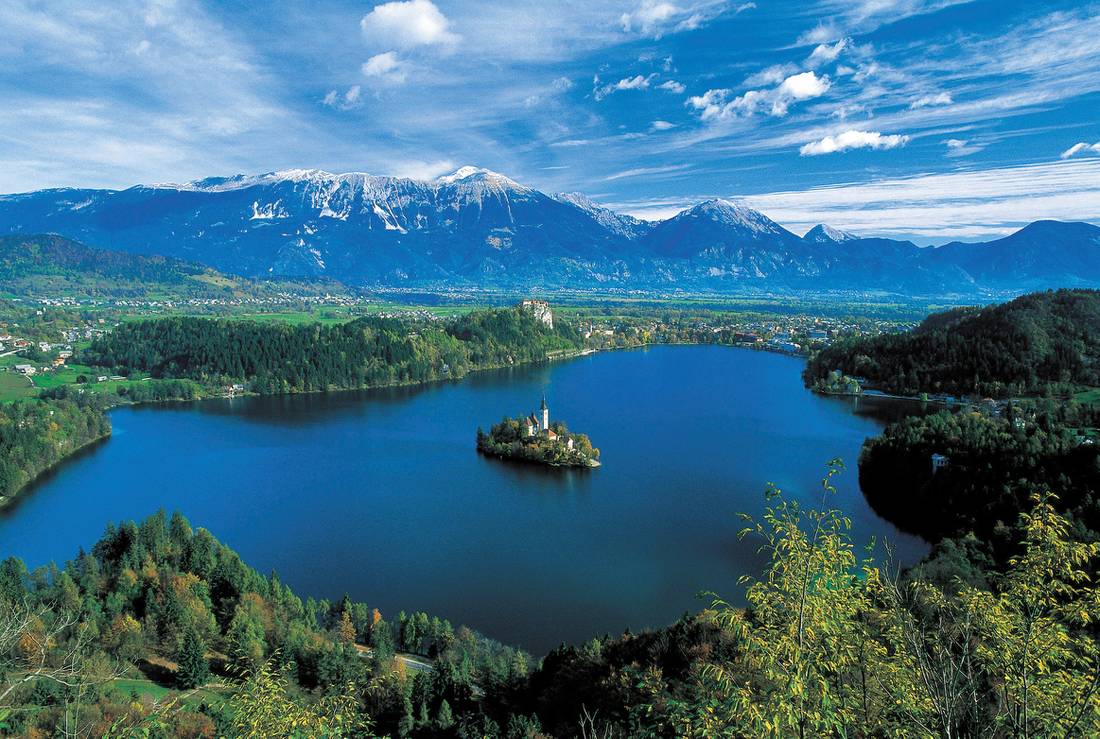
(22, 490)
(563, 355)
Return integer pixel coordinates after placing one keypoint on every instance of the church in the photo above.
(539, 424)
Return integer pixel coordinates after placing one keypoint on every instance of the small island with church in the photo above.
(534, 438)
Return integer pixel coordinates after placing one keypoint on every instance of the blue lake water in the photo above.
(381, 494)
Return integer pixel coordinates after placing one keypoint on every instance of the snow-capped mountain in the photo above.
(825, 234)
(478, 227)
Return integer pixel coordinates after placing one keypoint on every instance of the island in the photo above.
(533, 438)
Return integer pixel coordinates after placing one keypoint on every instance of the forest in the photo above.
(989, 467)
(1040, 344)
(37, 434)
(366, 352)
(828, 643)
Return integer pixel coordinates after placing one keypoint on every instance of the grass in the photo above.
(156, 691)
(1088, 397)
(14, 386)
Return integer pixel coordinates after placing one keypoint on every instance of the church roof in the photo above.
(543, 406)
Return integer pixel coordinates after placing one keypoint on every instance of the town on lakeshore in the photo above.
(533, 438)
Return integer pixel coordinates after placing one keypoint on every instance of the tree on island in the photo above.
(556, 445)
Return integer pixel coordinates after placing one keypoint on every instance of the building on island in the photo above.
(538, 424)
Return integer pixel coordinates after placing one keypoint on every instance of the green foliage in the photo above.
(370, 351)
(509, 439)
(194, 669)
(35, 435)
(1038, 344)
(262, 707)
(994, 465)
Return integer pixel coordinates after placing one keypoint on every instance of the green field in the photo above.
(1088, 397)
(14, 386)
(143, 686)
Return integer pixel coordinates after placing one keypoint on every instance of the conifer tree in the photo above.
(194, 670)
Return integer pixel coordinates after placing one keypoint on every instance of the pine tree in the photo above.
(194, 670)
(444, 720)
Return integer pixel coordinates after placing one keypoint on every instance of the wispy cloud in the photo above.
(656, 18)
(646, 171)
(348, 100)
(927, 101)
(1082, 147)
(386, 68)
(983, 203)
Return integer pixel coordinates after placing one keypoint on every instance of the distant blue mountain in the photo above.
(477, 227)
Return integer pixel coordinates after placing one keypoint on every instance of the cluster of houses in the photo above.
(792, 335)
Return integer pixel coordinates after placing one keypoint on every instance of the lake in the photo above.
(382, 495)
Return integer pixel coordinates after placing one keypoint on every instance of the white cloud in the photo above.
(351, 98)
(386, 68)
(717, 105)
(1081, 148)
(943, 98)
(820, 34)
(419, 170)
(961, 147)
(852, 140)
(984, 203)
(803, 86)
(657, 17)
(772, 75)
(561, 84)
(649, 16)
(672, 86)
(637, 82)
(662, 125)
(408, 24)
(826, 53)
(648, 171)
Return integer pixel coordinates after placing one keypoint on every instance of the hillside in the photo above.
(55, 266)
(1041, 343)
(478, 228)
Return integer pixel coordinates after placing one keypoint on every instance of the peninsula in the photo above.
(533, 438)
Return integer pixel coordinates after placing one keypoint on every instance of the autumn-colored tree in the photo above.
(346, 628)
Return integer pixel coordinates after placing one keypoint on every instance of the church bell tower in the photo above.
(545, 415)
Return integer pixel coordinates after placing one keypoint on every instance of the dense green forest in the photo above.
(509, 439)
(988, 469)
(1039, 344)
(366, 352)
(183, 607)
(37, 434)
(828, 645)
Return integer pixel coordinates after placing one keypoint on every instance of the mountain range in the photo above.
(480, 228)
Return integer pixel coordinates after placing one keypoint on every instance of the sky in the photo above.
(926, 119)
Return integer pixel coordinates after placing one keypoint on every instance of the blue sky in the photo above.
(932, 119)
